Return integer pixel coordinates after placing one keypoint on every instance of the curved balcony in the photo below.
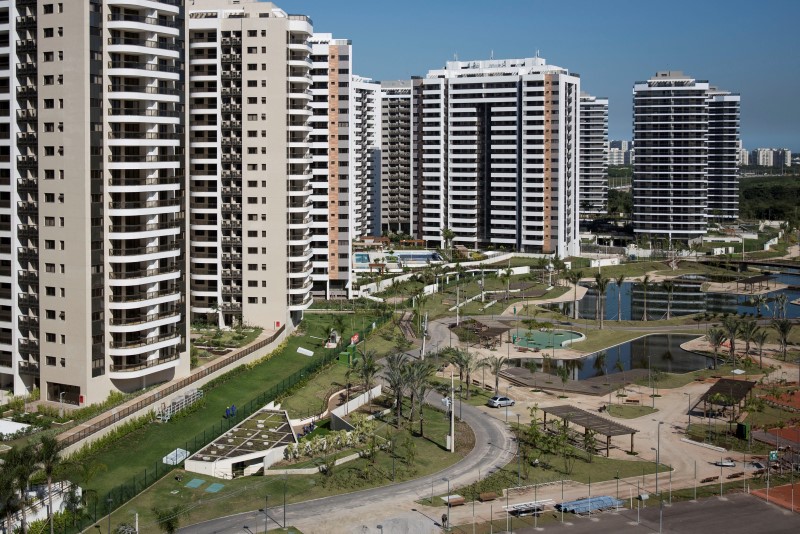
(144, 207)
(123, 21)
(144, 276)
(301, 301)
(137, 254)
(136, 324)
(138, 370)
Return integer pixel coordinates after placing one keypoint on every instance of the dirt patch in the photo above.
(781, 495)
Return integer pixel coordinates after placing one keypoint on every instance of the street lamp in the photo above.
(519, 457)
(658, 451)
(110, 502)
(448, 502)
(266, 513)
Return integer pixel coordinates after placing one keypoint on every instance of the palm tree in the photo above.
(397, 379)
(783, 328)
(782, 300)
(563, 374)
(619, 281)
(418, 385)
(600, 363)
(645, 282)
(669, 287)
(50, 460)
(733, 328)
(447, 236)
(716, 337)
(573, 277)
(467, 363)
(507, 275)
(367, 371)
(23, 462)
(760, 339)
(758, 302)
(496, 365)
(621, 368)
(601, 282)
(748, 330)
(9, 502)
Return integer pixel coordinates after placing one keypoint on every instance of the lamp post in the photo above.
(109, 501)
(448, 502)
(658, 451)
(519, 457)
(266, 513)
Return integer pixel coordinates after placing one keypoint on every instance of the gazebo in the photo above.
(589, 421)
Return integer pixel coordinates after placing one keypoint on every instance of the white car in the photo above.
(498, 402)
(725, 463)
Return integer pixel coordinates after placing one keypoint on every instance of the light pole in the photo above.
(266, 513)
(109, 501)
(519, 457)
(448, 502)
(658, 451)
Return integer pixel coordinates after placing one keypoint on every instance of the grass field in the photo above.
(144, 448)
(248, 493)
(630, 412)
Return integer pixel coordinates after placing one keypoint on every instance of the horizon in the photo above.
(702, 39)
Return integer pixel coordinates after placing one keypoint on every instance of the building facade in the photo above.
(495, 155)
(95, 260)
(593, 175)
(250, 163)
(685, 169)
(395, 152)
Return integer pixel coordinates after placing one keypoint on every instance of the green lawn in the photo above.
(225, 338)
(248, 493)
(312, 398)
(629, 411)
(672, 380)
(143, 449)
(602, 339)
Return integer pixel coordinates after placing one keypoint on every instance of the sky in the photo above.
(747, 47)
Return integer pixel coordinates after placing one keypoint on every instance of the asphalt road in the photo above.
(494, 448)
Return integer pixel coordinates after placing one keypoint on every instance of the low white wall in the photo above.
(604, 262)
(357, 402)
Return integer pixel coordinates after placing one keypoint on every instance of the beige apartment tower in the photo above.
(249, 163)
(93, 178)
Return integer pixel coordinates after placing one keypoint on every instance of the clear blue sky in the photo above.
(748, 47)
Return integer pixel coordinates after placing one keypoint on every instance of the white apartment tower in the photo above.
(593, 156)
(365, 155)
(395, 150)
(495, 155)
(249, 82)
(94, 256)
(685, 171)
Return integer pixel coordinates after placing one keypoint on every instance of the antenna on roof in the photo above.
(491, 55)
(455, 56)
(537, 53)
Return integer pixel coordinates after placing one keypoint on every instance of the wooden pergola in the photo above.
(589, 421)
(750, 282)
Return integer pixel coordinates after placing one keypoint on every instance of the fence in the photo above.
(154, 397)
(124, 492)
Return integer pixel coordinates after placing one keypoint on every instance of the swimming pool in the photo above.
(417, 256)
(544, 339)
(361, 257)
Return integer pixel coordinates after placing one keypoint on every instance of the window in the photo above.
(49, 221)
(49, 151)
(252, 283)
(47, 9)
(252, 300)
(49, 80)
(50, 291)
(50, 314)
(50, 337)
(252, 266)
(50, 267)
(48, 56)
(252, 66)
(49, 127)
(49, 103)
(50, 360)
(50, 244)
(49, 197)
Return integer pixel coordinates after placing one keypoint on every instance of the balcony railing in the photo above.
(117, 368)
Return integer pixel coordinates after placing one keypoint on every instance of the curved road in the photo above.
(494, 448)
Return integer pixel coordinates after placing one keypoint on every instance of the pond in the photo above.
(655, 351)
(687, 298)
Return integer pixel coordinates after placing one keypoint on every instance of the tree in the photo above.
(601, 284)
(397, 378)
(418, 383)
(9, 502)
(716, 337)
(758, 302)
(49, 457)
(495, 365)
(748, 330)
(367, 371)
(447, 236)
(600, 363)
(781, 301)
(669, 287)
(732, 327)
(506, 275)
(619, 281)
(760, 339)
(563, 374)
(619, 366)
(573, 277)
(169, 519)
(23, 464)
(590, 443)
(782, 327)
(645, 284)
(467, 363)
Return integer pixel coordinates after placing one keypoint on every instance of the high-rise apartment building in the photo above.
(94, 257)
(365, 155)
(685, 171)
(495, 155)
(593, 176)
(395, 150)
(250, 162)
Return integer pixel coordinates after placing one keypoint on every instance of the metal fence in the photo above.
(104, 505)
(154, 397)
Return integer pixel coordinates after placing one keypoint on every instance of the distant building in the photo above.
(686, 136)
(620, 152)
(495, 153)
(593, 155)
(395, 176)
(771, 157)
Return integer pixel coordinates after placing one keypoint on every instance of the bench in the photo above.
(488, 496)
(709, 479)
(735, 475)
(455, 501)
(631, 401)
(487, 387)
